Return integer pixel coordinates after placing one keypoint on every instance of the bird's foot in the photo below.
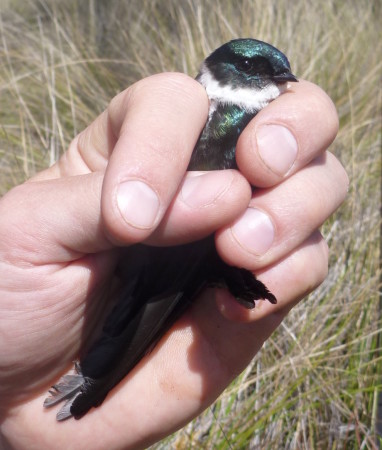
(245, 287)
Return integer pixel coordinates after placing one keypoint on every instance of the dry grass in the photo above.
(317, 381)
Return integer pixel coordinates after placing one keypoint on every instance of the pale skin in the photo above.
(59, 239)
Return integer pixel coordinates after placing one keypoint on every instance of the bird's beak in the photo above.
(284, 77)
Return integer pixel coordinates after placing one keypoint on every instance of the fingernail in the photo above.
(277, 147)
(203, 188)
(138, 203)
(254, 231)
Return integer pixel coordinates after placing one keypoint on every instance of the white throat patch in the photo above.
(250, 99)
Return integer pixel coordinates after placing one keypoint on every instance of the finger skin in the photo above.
(156, 160)
(205, 202)
(308, 113)
(295, 209)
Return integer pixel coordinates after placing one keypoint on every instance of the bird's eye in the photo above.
(244, 65)
(254, 66)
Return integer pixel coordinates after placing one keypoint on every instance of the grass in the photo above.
(317, 381)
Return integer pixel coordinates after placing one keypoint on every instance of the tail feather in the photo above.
(68, 389)
(65, 411)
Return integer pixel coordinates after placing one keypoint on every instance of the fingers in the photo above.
(143, 195)
(152, 152)
(281, 218)
(205, 202)
(310, 114)
(66, 221)
(285, 136)
(130, 147)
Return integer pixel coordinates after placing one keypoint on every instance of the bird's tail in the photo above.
(67, 389)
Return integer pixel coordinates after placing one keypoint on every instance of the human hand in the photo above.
(59, 239)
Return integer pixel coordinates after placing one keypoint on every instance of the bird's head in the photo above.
(245, 72)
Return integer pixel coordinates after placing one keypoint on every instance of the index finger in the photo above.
(152, 152)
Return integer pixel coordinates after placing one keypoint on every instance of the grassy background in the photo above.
(316, 383)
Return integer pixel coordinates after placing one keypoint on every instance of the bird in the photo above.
(240, 77)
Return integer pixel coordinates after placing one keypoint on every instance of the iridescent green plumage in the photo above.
(221, 132)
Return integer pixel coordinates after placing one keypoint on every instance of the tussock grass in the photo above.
(317, 381)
